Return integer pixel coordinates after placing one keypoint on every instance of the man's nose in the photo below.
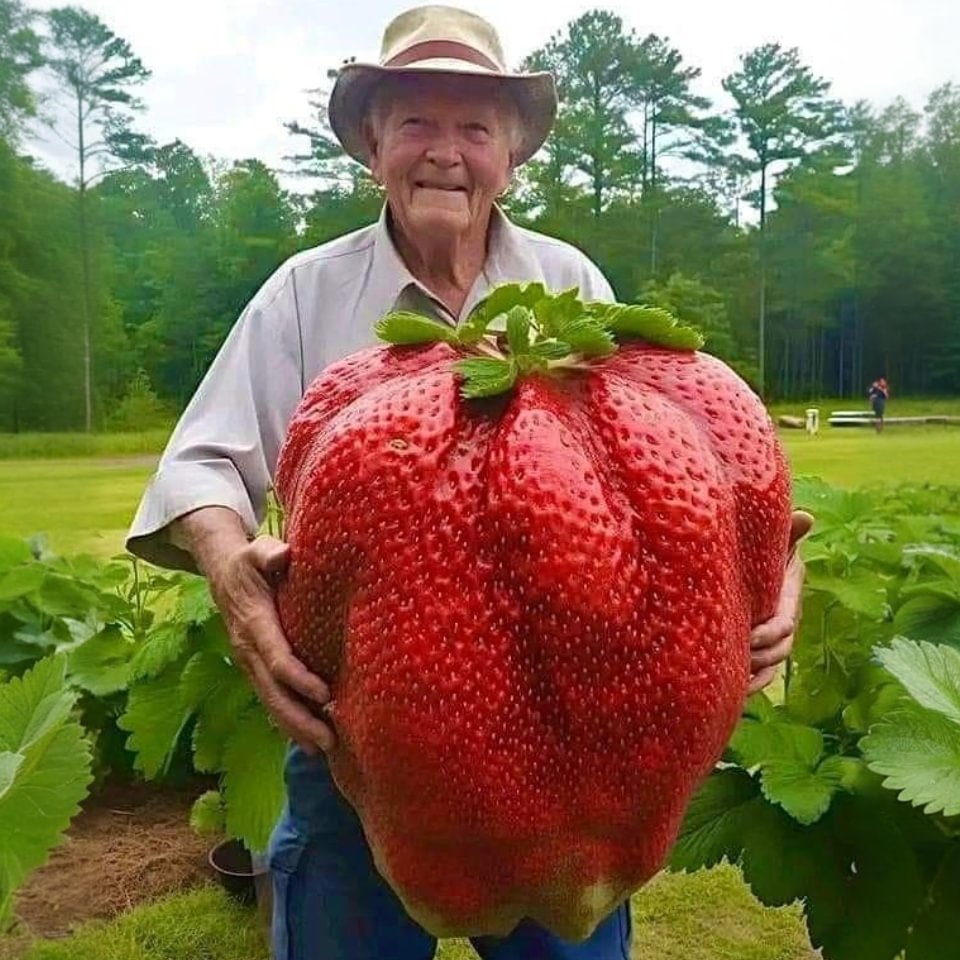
(444, 150)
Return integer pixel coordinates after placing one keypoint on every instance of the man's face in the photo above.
(443, 154)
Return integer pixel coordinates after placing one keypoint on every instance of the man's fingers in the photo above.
(293, 718)
(771, 656)
(769, 634)
(286, 669)
(270, 556)
(762, 679)
(801, 523)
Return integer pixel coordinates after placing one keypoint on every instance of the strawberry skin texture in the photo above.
(534, 613)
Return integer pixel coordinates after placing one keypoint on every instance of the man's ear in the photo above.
(373, 151)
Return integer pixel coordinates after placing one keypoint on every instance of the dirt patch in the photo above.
(131, 843)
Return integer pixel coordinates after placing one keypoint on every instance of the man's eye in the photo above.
(412, 122)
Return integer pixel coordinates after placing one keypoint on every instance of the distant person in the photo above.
(879, 393)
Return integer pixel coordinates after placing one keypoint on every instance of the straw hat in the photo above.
(444, 40)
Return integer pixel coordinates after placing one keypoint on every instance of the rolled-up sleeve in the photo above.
(223, 450)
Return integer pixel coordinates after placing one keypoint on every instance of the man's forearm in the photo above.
(209, 535)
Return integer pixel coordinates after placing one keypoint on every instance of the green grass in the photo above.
(907, 407)
(856, 457)
(86, 504)
(82, 505)
(18, 446)
(202, 924)
(708, 915)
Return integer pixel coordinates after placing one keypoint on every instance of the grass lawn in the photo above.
(707, 916)
(857, 457)
(86, 504)
(82, 505)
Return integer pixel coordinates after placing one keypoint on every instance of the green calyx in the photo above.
(521, 328)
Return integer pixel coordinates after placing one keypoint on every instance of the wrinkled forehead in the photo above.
(447, 92)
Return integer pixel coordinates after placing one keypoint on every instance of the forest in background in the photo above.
(816, 243)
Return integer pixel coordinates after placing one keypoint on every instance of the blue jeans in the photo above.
(330, 903)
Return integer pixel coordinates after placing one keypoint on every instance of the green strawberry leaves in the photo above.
(536, 332)
(916, 748)
(486, 377)
(403, 327)
(45, 771)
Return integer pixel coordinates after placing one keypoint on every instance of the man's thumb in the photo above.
(271, 556)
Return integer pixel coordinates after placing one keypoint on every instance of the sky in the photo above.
(226, 74)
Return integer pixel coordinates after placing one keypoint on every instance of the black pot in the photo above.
(234, 868)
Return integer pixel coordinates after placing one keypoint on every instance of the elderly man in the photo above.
(441, 125)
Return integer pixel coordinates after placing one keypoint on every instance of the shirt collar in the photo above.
(508, 260)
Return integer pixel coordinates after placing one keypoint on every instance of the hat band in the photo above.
(441, 49)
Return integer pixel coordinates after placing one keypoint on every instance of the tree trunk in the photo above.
(644, 167)
(597, 158)
(85, 262)
(654, 209)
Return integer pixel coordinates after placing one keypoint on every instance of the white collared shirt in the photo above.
(318, 307)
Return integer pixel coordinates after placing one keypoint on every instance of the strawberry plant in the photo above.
(44, 770)
(846, 793)
(146, 658)
(191, 695)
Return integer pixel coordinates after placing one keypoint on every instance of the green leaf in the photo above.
(930, 616)
(930, 673)
(519, 330)
(551, 349)
(652, 324)
(62, 596)
(13, 552)
(804, 792)
(918, 753)
(221, 693)
(44, 778)
(207, 815)
(102, 663)
(154, 718)
(757, 743)
(759, 707)
(194, 603)
(868, 889)
(253, 782)
(486, 377)
(870, 706)
(164, 645)
(403, 327)
(854, 869)
(22, 581)
(716, 821)
(9, 765)
(497, 303)
(936, 933)
(29, 705)
(851, 773)
(555, 312)
(859, 592)
(588, 337)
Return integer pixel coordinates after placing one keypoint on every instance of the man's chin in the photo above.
(440, 223)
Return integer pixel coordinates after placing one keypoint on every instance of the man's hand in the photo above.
(771, 642)
(241, 575)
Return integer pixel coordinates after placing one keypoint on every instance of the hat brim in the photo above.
(535, 95)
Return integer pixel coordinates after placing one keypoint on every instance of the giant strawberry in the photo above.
(529, 575)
